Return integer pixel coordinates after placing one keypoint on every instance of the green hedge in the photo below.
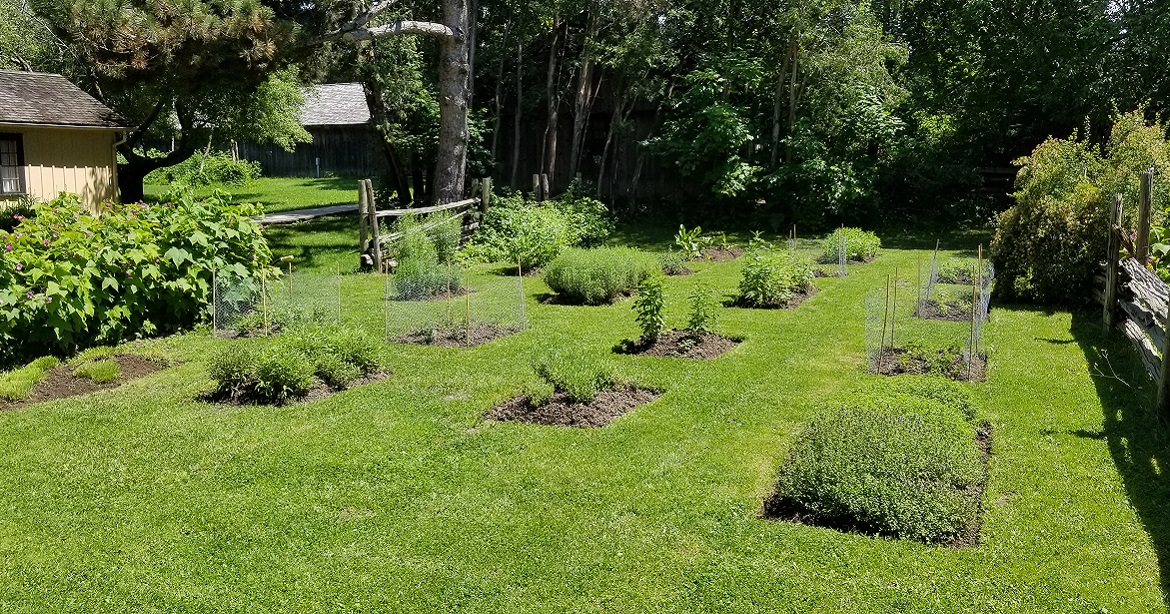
(596, 276)
(69, 279)
(898, 460)
(860, 245)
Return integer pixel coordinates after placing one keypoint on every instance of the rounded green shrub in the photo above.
(860, 245)
(888, 463)
(283, 373)
(335, 371)
(772, 277)
(231, 367)
(596, 276)
(578, 377)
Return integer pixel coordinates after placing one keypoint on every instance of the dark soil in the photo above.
(955, 311)
(560, 410)
(778, 507)
(681, 344)
(60, 383)
(677, 272)
(457, 338)
(852, 262)
(565, 301)
(722, 254)
(792, 303)
(901, 361)
(318, 392)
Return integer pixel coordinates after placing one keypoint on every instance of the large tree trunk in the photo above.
(453, 95)
(583, 105)
(132, 174)
(518, 116)
(548, 162)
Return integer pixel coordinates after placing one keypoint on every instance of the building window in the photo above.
(11, 164)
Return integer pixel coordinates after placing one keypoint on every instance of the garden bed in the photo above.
(560, 410)
(681, 344)
(60, 382)
(318, 392)
(792, 303)
(778, 507)
(457, 337)
(946, 363)
(722, 254)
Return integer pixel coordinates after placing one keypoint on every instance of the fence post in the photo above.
(1112, 264)
(1145, 203)
(545, 190)
(536, 195)
(363, 221)
(485, 199)
(375, 229)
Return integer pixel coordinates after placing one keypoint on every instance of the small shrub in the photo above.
(100, 372)
(596, 276)
(891, 464)
(445, 232)
(649, 307)
(860, 245)
(420, 274)
(578, 377)
(691, 243)
(703, 309)
(772, 278)
(282, 373)
(351, 347)
(673, 263)
(334, 371)
(17, 385)
(232, 369)
(588, 219)
(216, 168)
(515, 230)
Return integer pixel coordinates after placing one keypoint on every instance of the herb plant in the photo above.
(649, 306)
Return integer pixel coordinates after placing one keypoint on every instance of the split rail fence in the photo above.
(1135, 299)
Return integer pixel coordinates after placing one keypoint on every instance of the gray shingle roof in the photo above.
(46, 99)
(335, 104)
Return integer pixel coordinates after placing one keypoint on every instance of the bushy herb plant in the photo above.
(772, 278)
(596, 276)
(704, 306)
(70, 279)
(578, 377)
(649, 306)
(420, 273)
(888, 463)
(860, 245)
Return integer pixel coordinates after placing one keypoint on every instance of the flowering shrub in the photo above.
(69, 279)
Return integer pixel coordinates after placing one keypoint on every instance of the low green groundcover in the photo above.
(897, 460)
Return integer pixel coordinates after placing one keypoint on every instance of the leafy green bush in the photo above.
(574, 375)
(596, 276)
(17, 385)
(217, 168)
(673, 263)
(69, 279)
(100, 371)
(692, 243)
(420, 274)
(649, 307)
(533, 234)
(337, 373)
(888, 463)
(703, 310)
(1047, 246)
(445, 232)
(860, 245)
(282, 373)
(772, 278)
(232, 367)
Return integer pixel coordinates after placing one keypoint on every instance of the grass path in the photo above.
(399, 497)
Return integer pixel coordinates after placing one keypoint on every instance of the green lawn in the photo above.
(399, 497)
(282, 193)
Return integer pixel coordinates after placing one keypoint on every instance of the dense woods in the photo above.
(816, 112)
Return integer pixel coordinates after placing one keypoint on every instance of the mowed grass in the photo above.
(279, 194)
(399, 497)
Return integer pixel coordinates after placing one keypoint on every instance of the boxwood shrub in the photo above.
(888, 462)
(596, 276)
(69, 279)
(860, 245)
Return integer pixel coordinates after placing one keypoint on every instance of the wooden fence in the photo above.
(1135, 299)
(374, 244)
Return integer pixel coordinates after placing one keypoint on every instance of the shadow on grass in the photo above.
(1137, 437)
(966, 242)
(325, 244)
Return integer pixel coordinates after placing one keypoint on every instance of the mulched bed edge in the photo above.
(320, 391)
(793, 303)
(680, 344)
(560, 410)
(60, 383)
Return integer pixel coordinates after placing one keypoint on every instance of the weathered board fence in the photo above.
(1135, 299)
(374, 244)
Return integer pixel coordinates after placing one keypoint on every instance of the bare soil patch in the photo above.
(792, 303)
(560, 410)
(946, 363)
(680, 272)
(778, 507)
(60, 383)
(680, 344)
(822, 260)
(565, 301)
(722, 254)
(457, 337)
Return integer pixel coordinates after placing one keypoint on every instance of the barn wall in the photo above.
(343, 150)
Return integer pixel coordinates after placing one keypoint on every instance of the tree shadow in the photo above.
(1136, 435)
(325, 242)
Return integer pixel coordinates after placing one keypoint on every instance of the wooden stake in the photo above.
(523, 298)
(467, 315)
(337, 268)
(885, 311)
(214, 302)
(971, 339)
(375, 226)
(485, 198)
(363, 218)
(894, 311)
(918, 289)
(386, 307)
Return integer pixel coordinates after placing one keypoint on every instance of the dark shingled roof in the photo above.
(45, 99)
(335, 104)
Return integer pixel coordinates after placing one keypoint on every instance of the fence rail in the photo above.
(1135, 300)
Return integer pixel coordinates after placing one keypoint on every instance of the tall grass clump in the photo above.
(18, 384)
(597, 276)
